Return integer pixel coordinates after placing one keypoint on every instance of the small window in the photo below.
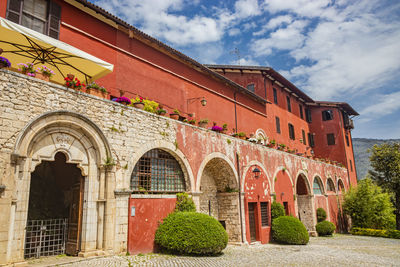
(327, 115)
(330, 187)
(264, 214)
(289, 106)
(317, 188)
(291, 131)
(275, 96)
(351, 165)
(301, 111)
(331, 139)
(250, 87)
(347, 140)
(308, 115)
(278, 125)
(303, 133)
(311, 139)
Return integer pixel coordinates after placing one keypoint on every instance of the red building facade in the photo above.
(255, 100)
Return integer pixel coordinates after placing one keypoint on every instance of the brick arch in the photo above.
(302, 184)
(171, 149)
(340, 184)
(279, 169)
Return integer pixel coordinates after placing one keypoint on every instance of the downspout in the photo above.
(344, 142)
(234, 97)
(240, 198)
(352, 151)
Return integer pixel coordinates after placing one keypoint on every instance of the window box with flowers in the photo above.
(4, 63)
(44, 73)
(73, 83)
(96, 90)
(27, 68)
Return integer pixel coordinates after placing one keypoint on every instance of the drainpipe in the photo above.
(234, 97)
(240, 198)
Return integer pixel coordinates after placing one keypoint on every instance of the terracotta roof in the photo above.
(169, 49)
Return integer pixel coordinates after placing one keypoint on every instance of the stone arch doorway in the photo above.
(55, 209)
(305, 205)
(219, 196)
(85, 146)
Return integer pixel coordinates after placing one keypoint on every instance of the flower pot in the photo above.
(139, 105)
(162, 113)
(43, 77)
(192, 122)
(71, 76)
(174, 116)
(203, 124)
(242, 137)
(95, 92)
(2, 65)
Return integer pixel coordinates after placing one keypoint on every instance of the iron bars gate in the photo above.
(45, 237)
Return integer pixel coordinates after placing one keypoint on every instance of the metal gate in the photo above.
(45, 237)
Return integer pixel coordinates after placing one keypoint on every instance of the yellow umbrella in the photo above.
(22, 45)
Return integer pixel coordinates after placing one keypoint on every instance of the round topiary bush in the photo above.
(325, 228)
(321, 215)
(289, 230)
(277, 210)
(191, 233)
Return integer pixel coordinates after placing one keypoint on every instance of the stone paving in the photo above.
(340, 250)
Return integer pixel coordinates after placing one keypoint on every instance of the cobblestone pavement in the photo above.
(340, 250)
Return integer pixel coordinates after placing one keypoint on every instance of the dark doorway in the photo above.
(55, 209)
(252, 221)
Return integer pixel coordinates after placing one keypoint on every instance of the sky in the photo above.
(343, 50)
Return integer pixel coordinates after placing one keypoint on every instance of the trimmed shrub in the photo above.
(321, 215)
(184, 203)
(325, 228)
(289, 230)
(277, 210)
(191, 233)
(375, 232)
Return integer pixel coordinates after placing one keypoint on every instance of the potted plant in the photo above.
(97, 90)
(203, 123)
(192, 121)
(242, 135)
(4, 63)
(73, 83)
(160, 110)
(281, 146)
(44, 73)
(217, 128)
(271, 143)
(138, 102)
(175, 114)
(224, 128)
(122, 100)
(27, 68)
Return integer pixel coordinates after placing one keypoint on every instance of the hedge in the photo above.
(321, 215)
(289, 230)
(191, 233)
(375, 232)
(325, 228)
(277, 210)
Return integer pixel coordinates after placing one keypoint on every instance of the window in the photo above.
(275, 96)
(264, 214)
(331, 139)
(250, 87)
(303, 133)
(157, 172)
(308, 115)
(351, 166)
(327, 115)
(330, 187)
(289, 106)
(311, 139)
(317, 188)
(40, 15)
(301, 111)
(291, 131)
(278, 125)
(347, 140)
(286, 207)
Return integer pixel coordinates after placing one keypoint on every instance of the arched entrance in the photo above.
(55, 209)
(305, 207)
(284, 191)
(219, 196)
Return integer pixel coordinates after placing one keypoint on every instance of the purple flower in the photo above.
(5, 62)
(217, 128)
(123, 99)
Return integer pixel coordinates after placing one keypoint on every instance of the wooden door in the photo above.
(75, 220)
(252, 221)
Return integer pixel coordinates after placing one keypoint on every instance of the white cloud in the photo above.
(305, 8)
(287, 38)
(233, 31)
(274, 23)
(382, 106)
(246, 8)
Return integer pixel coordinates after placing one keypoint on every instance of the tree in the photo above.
(368, 206)
(385, 159)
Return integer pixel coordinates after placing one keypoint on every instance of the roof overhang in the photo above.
(343, 105)
(21, 45)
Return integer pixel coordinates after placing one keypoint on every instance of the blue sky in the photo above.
(333, 50)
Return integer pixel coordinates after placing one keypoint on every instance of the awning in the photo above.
(22, 45)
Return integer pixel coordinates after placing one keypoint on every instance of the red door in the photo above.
(144, 218)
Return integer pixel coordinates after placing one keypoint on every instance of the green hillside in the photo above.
(361, 146)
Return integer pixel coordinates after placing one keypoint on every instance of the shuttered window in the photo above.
(264, 213)
(301, 111)
(275, 96)
(278, 125)
(311, 139)
(327, 115)
(289, 105)
(303, 133)
(308, 115)
(291, 131)
(331, 139)
(40, 15)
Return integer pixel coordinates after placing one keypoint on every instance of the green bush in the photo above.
(375, 232)
(191, 233)
(277, 210)
(325, 228)
(184, 203)
(289, 230)
(321, 215)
